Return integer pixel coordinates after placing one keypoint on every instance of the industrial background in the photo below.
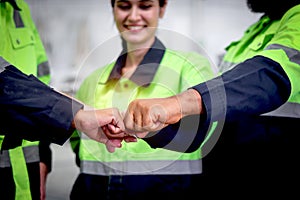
(72, 30)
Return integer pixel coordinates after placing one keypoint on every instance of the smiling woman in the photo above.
(77, 33)
(136, 170)
(137, 21)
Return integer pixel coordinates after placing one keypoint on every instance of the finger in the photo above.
(155, 126)
(142, 134)
(111, 145)
(128, 121)
(118, 123)
(129, 139)
(115, 142)
(148, 120)
(138, 121)
(111, 132)
(110, 148)
(114, 129)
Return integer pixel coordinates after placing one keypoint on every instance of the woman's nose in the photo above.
(134, 14)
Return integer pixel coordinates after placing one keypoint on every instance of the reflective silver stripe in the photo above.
(43, 69)
(31, 154)
(3, 64)
(4, 159)
(142, 167)
(293, 54)
(18, 19)
(286, 110)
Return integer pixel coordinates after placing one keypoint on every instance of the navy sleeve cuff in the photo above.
(185, 136)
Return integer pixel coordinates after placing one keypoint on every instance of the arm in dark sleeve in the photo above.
(256, 86)
(184, 136)
(32, 110)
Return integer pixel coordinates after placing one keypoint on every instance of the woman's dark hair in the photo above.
(161, 3)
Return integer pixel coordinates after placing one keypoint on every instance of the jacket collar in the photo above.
(12, 3)
(146, 70)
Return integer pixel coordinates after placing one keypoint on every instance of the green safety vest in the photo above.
(176, 72)
(22, 47)
(279, 41)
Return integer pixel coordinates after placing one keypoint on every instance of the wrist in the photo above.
(191, 102)
(76, 119)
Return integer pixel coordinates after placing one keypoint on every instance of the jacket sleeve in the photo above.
(40, 112)
(254, 87)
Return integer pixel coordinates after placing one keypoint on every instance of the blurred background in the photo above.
(72, 30)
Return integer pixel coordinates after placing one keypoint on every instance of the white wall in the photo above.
(223, 22)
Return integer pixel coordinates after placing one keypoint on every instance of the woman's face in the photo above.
(137, 20)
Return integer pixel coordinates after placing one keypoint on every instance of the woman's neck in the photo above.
(135, 55)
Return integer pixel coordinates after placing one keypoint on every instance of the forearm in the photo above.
(254, 87)
(187, 134)
(39, 111)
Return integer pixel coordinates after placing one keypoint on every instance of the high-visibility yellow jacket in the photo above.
(168, 72)
(21, 46)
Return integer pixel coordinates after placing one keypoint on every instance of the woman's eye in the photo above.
(124, 6)
(145, 6)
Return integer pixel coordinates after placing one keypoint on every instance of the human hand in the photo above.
(96, 124)
(119, 137)
(144, 115)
